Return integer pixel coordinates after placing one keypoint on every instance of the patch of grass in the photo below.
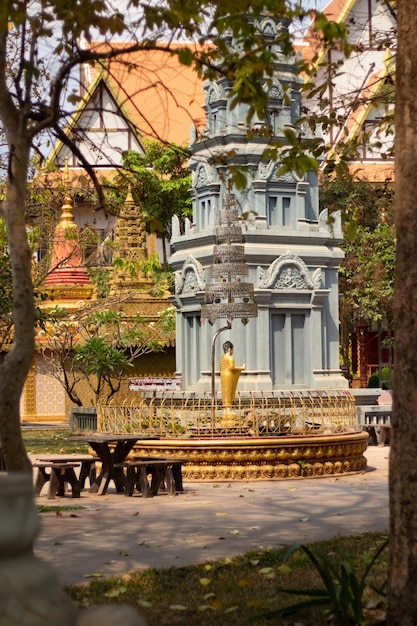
(52, 441)
(236, 592)
(41, 508)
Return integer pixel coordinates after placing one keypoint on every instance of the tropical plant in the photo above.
(98, 346)
(341, 600)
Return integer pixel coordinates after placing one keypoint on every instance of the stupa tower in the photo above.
(67, 278)
(291, 251)
(131, 245)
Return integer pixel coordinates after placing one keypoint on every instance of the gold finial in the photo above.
(66, 173)
(66, 209)
(129, 196)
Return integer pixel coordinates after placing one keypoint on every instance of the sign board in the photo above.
(154, 384)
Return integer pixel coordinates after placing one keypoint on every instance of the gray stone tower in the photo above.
(291, 250)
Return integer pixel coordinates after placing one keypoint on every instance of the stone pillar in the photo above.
(29, 590)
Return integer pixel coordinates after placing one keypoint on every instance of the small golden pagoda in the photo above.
(131, 245)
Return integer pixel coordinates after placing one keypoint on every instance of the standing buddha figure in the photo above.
(229, 375)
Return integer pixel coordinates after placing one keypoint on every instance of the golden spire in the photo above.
(67, 217)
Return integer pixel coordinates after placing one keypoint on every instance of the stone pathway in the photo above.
(113, 534)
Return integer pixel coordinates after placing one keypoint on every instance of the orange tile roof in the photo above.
(373, 171)
(161, 96)
(335, 11)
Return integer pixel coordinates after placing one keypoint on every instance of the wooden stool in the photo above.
(60, 474)
(164, 472)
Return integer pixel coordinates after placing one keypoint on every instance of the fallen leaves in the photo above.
(267, 572)
(115, 592)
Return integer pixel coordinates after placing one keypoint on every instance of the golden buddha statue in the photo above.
(229, 375)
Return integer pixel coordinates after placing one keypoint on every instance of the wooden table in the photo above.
(112, 451)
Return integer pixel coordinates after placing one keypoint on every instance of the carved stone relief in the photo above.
(212, 94)
(288, 272)
(191, 278)
(276, 92)
(202, 177)
(331, 223)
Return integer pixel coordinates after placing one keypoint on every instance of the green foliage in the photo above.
(98, 345)
(366, 276)
(163, 280)
(99, 358)
(100, 277)
(387, 375)
(367, 273)
(233, 591)
(52, 441)
(160, 183)
(342, 597)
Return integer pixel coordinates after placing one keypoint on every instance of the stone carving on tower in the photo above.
(190, 278)
(288, 272)
(130, 246)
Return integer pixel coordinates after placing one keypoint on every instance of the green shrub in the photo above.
(373, 380)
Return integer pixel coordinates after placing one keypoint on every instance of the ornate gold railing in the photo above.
(179, 414)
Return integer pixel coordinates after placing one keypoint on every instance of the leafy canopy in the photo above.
(160, 183)
(99, 345)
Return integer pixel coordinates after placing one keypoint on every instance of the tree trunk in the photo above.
(402, 572)
(16, 362)
(164, 254)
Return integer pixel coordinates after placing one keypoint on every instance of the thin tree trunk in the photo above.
(16, 363)
(164, 254)
(402, 570)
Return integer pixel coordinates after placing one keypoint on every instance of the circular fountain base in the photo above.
(263, 458)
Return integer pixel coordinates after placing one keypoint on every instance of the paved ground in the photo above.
(113, 534)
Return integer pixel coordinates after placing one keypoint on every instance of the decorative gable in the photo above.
(101, 130)
(288, 271)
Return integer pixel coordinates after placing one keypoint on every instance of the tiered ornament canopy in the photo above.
(227, 296)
